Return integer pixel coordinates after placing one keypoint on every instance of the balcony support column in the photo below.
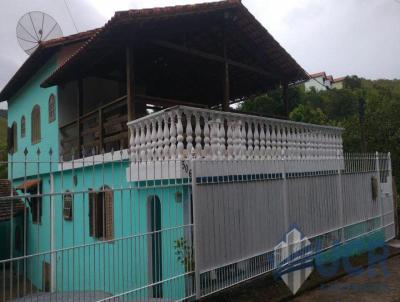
(130, 83)
(225, 101)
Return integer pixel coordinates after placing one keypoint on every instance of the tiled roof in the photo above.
(339, 79)
(318, 74)
(138, 17)
(37, 59)
(9, 206)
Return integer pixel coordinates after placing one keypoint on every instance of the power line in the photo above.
(70, 14)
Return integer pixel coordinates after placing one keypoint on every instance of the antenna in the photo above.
(34, 28)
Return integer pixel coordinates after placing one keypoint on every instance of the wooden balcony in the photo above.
(101, 130)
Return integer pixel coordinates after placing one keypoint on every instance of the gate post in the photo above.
(378, 172)
(195, 234)
(340, 197)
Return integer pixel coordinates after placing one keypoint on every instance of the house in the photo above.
(116, 132)
(319, 81)
(338, 83)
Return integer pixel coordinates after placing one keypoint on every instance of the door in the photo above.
(155, 244)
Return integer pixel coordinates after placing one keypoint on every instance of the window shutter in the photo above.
(92, 214)
(99, 215)
(109, 214)
(52, 111)
(35, 125)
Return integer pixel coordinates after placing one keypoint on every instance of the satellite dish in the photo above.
(34, 28)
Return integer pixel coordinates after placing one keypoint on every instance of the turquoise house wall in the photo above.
(111, 267)
(22, 104)
(73, 269)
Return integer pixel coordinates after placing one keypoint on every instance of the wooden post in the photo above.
(79, 114)
(225, 101)
(285, 98)
(130, 83)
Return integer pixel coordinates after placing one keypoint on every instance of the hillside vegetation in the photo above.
(341, 108)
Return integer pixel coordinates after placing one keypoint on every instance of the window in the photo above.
(35, 127)
(13, 138)
(101, 213)
(67, 206)
(35, 203)
(23, 126)
(52, 108)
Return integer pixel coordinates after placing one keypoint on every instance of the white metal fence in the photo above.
(241, 216)
(104, 228)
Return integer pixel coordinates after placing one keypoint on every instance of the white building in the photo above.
(319, 81)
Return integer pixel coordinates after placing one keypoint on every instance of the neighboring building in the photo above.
(112, 190)
(338, 83)
(320, 82)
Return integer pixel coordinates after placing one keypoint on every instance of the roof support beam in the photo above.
(212, 57)
(130, 83)
(225, 101)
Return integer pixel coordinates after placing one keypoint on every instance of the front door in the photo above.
(155, 244)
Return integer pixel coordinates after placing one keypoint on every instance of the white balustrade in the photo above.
(184, 132)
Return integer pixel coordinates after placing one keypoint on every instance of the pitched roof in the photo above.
(339, 79)
(37, 59)
(9, 206)
(318, 74)
(274, 54)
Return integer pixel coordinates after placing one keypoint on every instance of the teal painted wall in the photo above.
(111, 267)
(22, 104)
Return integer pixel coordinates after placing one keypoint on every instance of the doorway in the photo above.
(155, 244)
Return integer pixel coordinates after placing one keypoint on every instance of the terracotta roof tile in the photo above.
(264, 39)
(36, 60)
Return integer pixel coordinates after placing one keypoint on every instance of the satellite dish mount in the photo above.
(34, 28)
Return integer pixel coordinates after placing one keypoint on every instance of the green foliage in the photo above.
(341, 108)
(184, 254)
(3, 147)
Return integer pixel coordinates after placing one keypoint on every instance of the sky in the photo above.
(340, 37)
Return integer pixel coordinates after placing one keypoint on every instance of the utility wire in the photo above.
(70, 14)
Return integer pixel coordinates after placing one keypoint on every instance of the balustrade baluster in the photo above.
(197, 132)
(189, 133)
(207, 138)
(172, 133)
(179, 130)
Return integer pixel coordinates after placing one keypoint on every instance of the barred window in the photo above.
(23, 126)
(101, 213)
(35, 126)
(67, 205)
(52, 108)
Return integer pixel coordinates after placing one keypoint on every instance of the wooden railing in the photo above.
(185, 132)
(101, 130)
